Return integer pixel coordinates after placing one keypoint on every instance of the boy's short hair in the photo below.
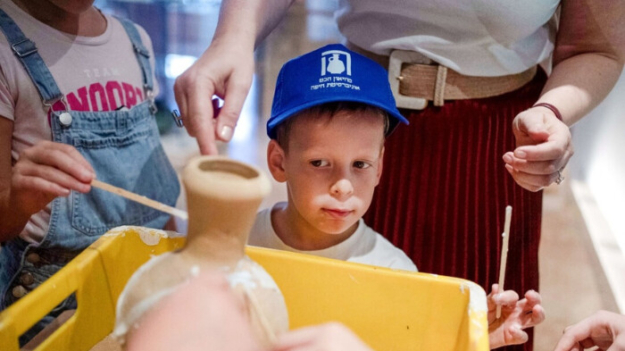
(331, 74)
(330, 109)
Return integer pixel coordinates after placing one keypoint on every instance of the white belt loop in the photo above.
(439, 88)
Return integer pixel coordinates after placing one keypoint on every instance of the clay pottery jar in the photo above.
(223, 196)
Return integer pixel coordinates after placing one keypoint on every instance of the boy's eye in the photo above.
(319, 163)
(361, 164)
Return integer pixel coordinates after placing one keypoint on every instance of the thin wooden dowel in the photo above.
(140, 199)
(504, 254)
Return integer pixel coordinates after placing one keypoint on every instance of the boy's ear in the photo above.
(380, 166)
(275, 161)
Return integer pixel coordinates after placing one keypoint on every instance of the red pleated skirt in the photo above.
(444, 190)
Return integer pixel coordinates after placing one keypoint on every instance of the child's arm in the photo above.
(43, 172)
(515, 316)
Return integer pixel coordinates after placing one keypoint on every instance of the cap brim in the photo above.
(276, 120)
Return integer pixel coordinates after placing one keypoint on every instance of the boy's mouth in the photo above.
(336, 213)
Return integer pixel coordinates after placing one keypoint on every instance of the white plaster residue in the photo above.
(249, 274)
(265, 280)
(149, 236)
(477, 296)
(117, 231)
(242, 278)
(354, 279)
(195, 270)
(477, 308)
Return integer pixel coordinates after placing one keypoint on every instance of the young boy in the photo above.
(76, 102)
(329, 120)
(331, 112)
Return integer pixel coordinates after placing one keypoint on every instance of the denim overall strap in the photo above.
(143, 55)
(26, 52)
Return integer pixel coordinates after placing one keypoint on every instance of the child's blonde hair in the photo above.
(330, 110)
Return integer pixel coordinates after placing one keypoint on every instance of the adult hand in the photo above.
(606, 330)
(515, 316)
(48, 170)
(326, 337)
(225, 69)
(543, 148)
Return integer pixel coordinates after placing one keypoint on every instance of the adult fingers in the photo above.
(236, 92)
(536, 167)
(552, 149)
(199, 117)
(531, 129)
(529, 181)
(193, 94)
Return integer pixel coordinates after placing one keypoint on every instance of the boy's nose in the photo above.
(343, 187)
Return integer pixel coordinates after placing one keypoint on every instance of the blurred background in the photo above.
(583, 240)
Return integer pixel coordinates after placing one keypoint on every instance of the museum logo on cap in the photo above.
(332, 73)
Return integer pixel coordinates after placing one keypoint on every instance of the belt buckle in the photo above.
(396, 59)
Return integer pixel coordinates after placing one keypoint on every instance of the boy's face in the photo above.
(331, 168)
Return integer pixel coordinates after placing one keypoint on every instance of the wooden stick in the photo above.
(140, 199)
(504, 254)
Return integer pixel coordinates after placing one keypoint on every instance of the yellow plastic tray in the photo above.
(390, 310)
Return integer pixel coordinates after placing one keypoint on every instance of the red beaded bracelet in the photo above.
(551, 107)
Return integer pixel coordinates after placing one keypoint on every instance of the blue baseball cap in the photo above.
(332, 73)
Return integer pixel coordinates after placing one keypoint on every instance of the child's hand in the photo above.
(605, 330)
(48, 170)
(515, 316)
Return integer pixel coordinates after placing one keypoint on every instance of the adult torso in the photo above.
(473, 37)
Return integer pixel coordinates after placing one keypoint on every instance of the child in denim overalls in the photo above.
(76, 102)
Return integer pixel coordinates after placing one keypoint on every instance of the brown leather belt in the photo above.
(416, 79)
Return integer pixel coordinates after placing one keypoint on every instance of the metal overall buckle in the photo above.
(150, 95)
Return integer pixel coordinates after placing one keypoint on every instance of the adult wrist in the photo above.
(553, 109)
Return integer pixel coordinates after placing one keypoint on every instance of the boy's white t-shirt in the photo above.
(364, 246)
(94, 73)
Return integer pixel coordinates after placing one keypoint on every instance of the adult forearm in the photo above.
(248, 22)
(579, 83)
(588, 57)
